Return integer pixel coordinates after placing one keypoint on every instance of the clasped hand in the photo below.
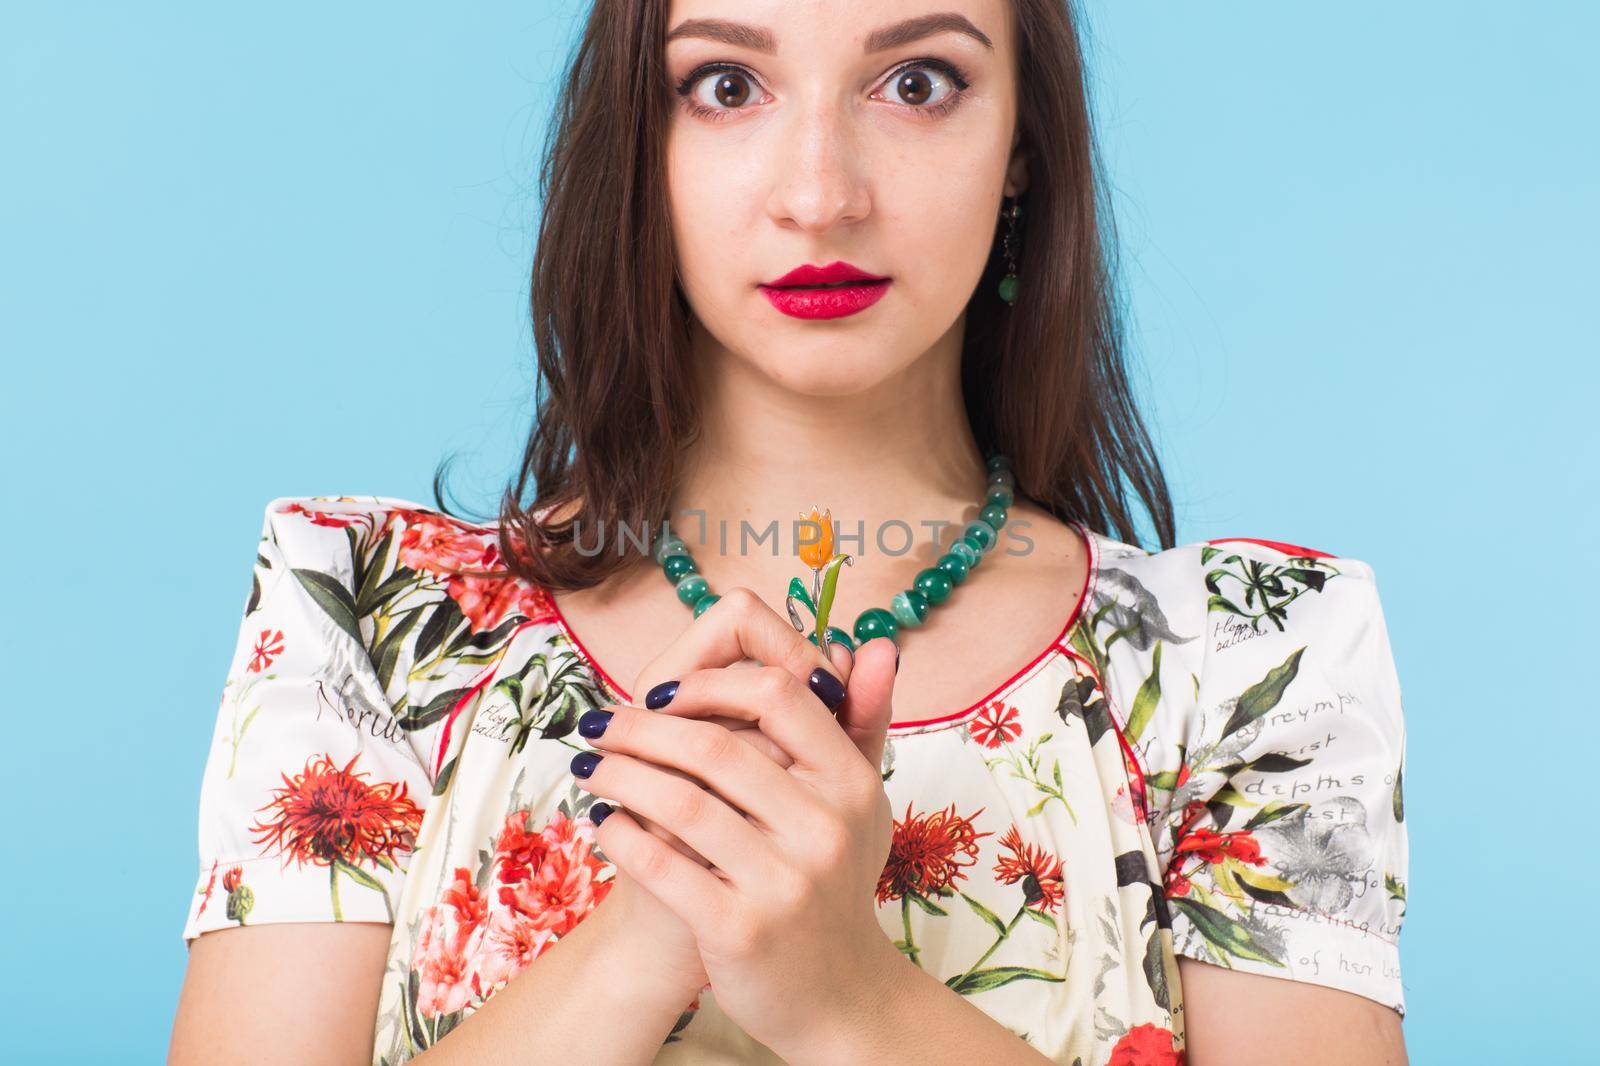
(796, 837)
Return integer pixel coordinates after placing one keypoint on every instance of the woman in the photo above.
(1110, 805)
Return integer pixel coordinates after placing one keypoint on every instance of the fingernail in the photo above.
(827, 687)
(584, 762)
(598, 812)
(661, 695)
(897, 660)
(593, 723)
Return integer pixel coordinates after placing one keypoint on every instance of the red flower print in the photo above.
(1146, 1045)
(231, 879)
(268, 647)
(1037, 869)
(324, 814)
(927, 853)
(510, 942)
(323, 518)
(996, 724)
(205, 893)
(518, 851)
(442, 546)
(486, 601)
(552, 879)
(1213, 847)
(1210, 847)
(451, 931)
(466, 903)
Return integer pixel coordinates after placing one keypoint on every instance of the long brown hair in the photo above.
(1044, 379)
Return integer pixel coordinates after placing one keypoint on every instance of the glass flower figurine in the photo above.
(815, 548)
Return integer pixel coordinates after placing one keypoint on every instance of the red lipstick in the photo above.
(831, 291)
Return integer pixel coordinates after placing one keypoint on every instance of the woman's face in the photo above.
(818, 131)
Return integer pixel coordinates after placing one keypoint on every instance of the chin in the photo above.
(826, 372)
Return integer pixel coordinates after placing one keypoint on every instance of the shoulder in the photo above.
(322, 523)
(1170, 628)
(1254, 683)
(362, 536)
(413, 585)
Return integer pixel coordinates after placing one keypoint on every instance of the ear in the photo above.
(1017, 169)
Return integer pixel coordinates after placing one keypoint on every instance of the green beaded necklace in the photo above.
(909, 607)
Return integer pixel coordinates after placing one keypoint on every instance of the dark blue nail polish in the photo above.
(827, 687)
(598, 812)
(593, 723)
(584, 762)
(661, 695)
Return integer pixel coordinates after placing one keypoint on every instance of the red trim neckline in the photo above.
(1056, 646)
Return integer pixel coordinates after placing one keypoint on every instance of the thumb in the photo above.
(867, 707)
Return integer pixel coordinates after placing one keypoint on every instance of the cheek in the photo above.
(942, 236)
(938, 198)
(709, 200)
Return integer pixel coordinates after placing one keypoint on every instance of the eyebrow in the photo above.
(760, 39)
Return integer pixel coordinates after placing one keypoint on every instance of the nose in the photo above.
(819, 182)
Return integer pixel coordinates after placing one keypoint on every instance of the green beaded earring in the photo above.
(1008, 284)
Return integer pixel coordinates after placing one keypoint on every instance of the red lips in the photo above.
(833, 291)
(832, 274)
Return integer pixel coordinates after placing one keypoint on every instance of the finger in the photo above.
(844, 660)
(868, 705)
(743, 778)
(785, 708)
(703, 821)
(738, 626)
(691, 891)
(663, 833)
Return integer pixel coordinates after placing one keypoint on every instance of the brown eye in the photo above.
(928, 86)
(729, 90)
(914, 87)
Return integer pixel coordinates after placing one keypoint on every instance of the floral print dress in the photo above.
(1205, 762)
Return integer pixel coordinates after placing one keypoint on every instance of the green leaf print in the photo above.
(332, 597)
(1399, 801)
(986, 914)
(387, 653)
(263, 563)
(1276, 762)
(1264, 695)
(238, 735)
(1223, 933)
(983, 980)
(1041, 917)
(1271, 813)
(368, 573)
(1148, 696)
(1163, 779)
(1266, 585)
(414, 718)
(441, 623)
(374, 599)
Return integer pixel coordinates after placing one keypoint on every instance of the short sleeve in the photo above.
(312, 796)
(1284, 845)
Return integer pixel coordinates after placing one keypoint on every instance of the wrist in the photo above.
(632, 965)
(859, 1022)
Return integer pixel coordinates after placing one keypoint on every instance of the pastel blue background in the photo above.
(284, 251)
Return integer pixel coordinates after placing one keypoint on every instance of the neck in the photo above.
(900, 451)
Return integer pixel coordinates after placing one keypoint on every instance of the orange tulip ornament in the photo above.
(815, 549)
